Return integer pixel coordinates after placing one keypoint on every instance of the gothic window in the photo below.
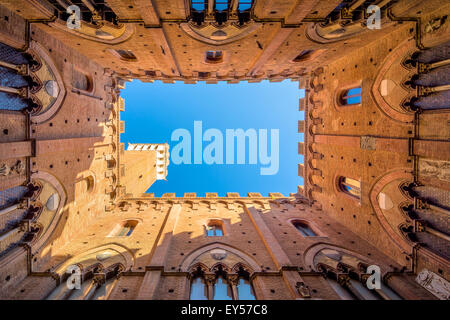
(221, 5)
(222, 290)
(126, 55)
(244, 5)
(304, 55)
(96, 284)
(350, 96)
(199, 290)
(198, 8)
(214, 229)
(346, 279)
(11, 79)
(350, 186)
(245, 290)
(199, 5)
(12, 196)
(214, 56)
(221, 283)
(304, 229)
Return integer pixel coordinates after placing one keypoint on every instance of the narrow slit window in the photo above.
(351, 96)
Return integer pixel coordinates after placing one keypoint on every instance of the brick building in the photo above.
(376, 151)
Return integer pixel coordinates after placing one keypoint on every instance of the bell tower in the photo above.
(143, 165)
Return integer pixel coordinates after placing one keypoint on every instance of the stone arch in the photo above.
(62, 195)
(209, 34)
(198, 266)
(312, 251)
(380, 86)
(50, 112)
(188, 261)
(379, 185)
(120, 253)
(107, 33)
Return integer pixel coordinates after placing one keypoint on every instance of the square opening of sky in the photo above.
(153, 111)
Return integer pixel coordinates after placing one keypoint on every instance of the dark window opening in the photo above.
(214, 56)
(126, 55)
(351, 96)
(304, 55)
(304, 229)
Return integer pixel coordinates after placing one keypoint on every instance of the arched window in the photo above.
(304, 55)
(346, 280)
(244, 5)
(304, 229)
(12, 196)
(126, 55)
(214, 229)
(245, 290)
(350, 96)
(221, 283)
(222, 290)
(350, 186)
(199, 290)
(199, 5)
(125, 229)
(81, 81)
(95, 285)
(221, 5)
(214, 56)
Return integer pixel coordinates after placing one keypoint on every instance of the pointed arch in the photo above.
(188, 261)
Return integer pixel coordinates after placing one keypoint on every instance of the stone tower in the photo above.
(143, 165)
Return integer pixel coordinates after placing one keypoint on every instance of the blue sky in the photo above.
(154, 110)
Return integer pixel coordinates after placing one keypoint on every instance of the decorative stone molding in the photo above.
(434, 283)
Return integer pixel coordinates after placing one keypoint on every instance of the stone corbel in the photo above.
(303, 290)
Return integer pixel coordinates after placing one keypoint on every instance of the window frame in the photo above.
(310, 224)
(344, 97)
(213, 225)
(116, 231)
(214, 59)
(341, 182)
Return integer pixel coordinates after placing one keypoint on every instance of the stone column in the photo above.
(233, 281)
(210, 280)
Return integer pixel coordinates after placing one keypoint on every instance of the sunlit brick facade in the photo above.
(376, 151)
